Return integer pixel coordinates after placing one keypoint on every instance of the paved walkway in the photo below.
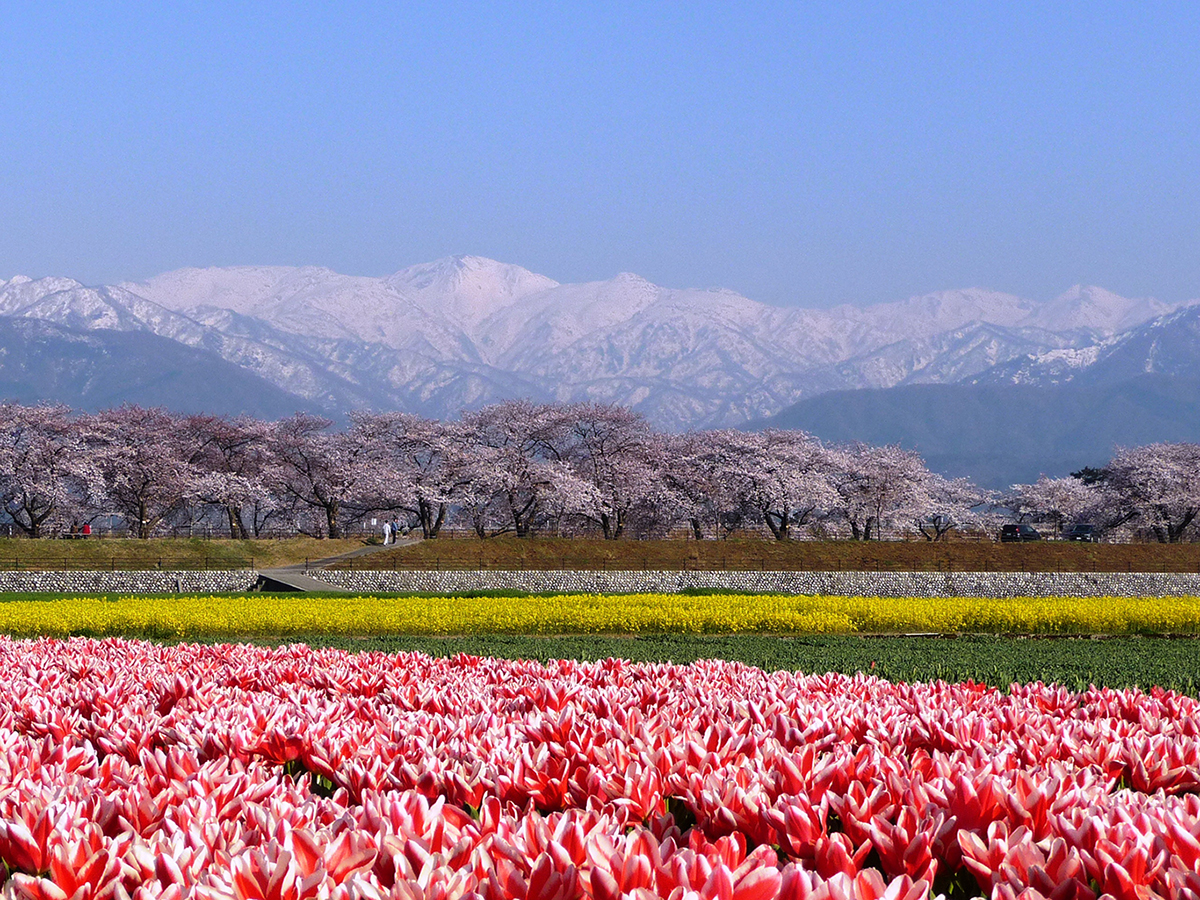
(296, 577)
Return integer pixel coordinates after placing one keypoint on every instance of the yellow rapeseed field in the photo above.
(270, 616)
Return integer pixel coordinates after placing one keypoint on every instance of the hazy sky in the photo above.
(801, 153)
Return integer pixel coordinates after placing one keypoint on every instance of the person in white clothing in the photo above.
(387, 531)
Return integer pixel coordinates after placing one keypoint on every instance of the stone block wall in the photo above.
(152, 582)
(869, 584)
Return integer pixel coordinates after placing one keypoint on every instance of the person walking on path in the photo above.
(387, 531)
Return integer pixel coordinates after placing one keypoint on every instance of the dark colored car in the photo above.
(1081, 532)
(1019, 533)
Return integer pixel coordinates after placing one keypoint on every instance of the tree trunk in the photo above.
(433, 532)
(237, 528)
(431, 524)
(331, 519)
(1176, 533)
(36, 520)
(697, 532)
(778, 523)
(523, 517)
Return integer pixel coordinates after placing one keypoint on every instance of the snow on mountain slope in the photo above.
(552, 321)
(830, 337)
(243, 289)
(949, 356)
(311, 301)
(1167, 345)
(255, 345)
(459, 332)
(69, 303)
(939, 312)
(468, 289)
(100, 368)
(1095, 309)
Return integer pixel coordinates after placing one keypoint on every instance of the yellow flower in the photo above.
(190, 617)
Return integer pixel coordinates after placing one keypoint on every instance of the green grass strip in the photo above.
(1074, 662)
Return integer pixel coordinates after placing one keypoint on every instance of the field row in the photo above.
(1076, 663)
(281, 616)
(238, 772)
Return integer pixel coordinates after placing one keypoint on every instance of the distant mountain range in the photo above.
(43, 362)
(464, 331)
(1004, 434)
(1046, 413)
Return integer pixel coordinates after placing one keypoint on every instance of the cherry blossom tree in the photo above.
(878, 485)
(230, 457)
(513, 458)
(1054, 500)
(614, 451)
(317, 470)
(143, 458)
(47, 477)
(949, 503)
(1157, 485)
(416, 466)
(523, 467)
(791, 478)
(690, 479)
(782, 479)
(708, 470)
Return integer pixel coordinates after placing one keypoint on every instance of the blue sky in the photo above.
(799, 153)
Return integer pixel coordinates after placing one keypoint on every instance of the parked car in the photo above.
(1019, 533)
(1081, 531)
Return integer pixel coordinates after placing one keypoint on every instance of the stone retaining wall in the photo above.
(869, 584)
(155, 582)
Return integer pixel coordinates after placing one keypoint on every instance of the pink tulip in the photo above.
(220, 772)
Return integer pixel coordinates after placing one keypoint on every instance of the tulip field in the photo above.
(130, 769)
(280, 616)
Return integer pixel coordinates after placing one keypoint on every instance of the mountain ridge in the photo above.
(455, 333)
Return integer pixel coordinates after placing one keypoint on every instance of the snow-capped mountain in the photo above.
(1084, 307)
(460, 332)
(1167, 345)
(310, 301)
(468, 289)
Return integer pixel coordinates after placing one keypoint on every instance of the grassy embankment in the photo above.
(165, 553)
(508, 552)
(820, 556)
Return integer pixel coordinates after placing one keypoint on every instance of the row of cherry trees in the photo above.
(526, 468)
(1150, 492)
